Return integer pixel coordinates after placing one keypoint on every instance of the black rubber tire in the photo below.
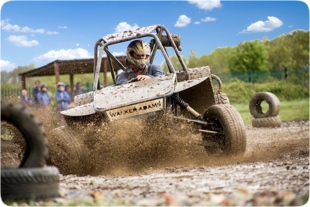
(226, 120)
(32, 130)
(256, 108)
(29, 183)
(270, 122)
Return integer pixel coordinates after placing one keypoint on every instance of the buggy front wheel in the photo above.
(229, 135)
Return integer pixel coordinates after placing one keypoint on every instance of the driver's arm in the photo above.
(156, 71)
(121, 79)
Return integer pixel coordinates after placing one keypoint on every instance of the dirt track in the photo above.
(174, 170)
(274, 170)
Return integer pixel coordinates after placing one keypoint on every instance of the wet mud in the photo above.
(151, 157)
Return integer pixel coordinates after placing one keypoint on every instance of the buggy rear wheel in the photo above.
(66, 150)
(230, 136)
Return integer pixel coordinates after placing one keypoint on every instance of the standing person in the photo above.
(25, 100)
(44, 99)
(138, 66)
(78, 89)
(68, 90)
(36, 90)
(62, 97)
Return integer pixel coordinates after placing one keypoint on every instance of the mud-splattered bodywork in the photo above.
(146, 96)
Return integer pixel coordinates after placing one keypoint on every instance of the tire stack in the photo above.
(269, 118)
(32, 179)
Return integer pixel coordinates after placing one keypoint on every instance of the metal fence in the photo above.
(298, 76)
(14, 94)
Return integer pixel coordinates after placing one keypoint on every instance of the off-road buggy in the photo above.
(187, 93)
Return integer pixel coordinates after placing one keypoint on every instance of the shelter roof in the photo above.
(77, 66)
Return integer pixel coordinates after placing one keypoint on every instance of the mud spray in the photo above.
(133, 146)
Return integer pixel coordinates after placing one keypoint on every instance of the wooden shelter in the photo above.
(70, 67)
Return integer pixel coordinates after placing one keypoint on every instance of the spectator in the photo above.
(35, 91)
(25, 100)
(44, 99)
(62, 97)
(68, 89)
(78, 89)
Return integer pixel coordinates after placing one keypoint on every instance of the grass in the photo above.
(294, 110)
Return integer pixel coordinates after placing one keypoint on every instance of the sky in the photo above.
(39, 32)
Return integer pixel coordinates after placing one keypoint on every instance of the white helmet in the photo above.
(60, 84)
(139, 47)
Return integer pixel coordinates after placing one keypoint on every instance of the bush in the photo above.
(241, 92)
(238, 91)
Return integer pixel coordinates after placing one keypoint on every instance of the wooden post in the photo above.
(56, 70)
(23, 82)
(72, 86)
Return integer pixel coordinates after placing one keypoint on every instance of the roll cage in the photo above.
(161, 39)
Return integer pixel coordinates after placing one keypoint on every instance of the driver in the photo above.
(138, 66)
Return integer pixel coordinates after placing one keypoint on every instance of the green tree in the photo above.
(12, 77)
(192, 61)
(249, 58)
(175, 62)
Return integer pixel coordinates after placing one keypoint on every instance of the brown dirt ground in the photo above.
(135, 158)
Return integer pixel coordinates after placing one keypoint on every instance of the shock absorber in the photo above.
(186, 106)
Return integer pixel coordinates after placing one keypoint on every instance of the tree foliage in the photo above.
(265, 56)
(12, 77)
(250, 56)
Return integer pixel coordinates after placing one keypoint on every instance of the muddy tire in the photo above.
(231, 137)
(221, 98)
(270, 122)
(29, 183)
(256, 108)
(36, 151)
(66, 150)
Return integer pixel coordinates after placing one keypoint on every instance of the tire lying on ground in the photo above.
(29, 183)
(32, 130)
(271, 122)
(32, 179)
(256, 108)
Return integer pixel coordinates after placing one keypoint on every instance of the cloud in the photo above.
(266, 26)
(63, 54)
(118, 53)
(62, 27)
(6, 26)
(183, 21)
(7, 65)
(52, 33)
(123, 26)
(22, 41)
(208, 19)
(206, 4)
(197, 22)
